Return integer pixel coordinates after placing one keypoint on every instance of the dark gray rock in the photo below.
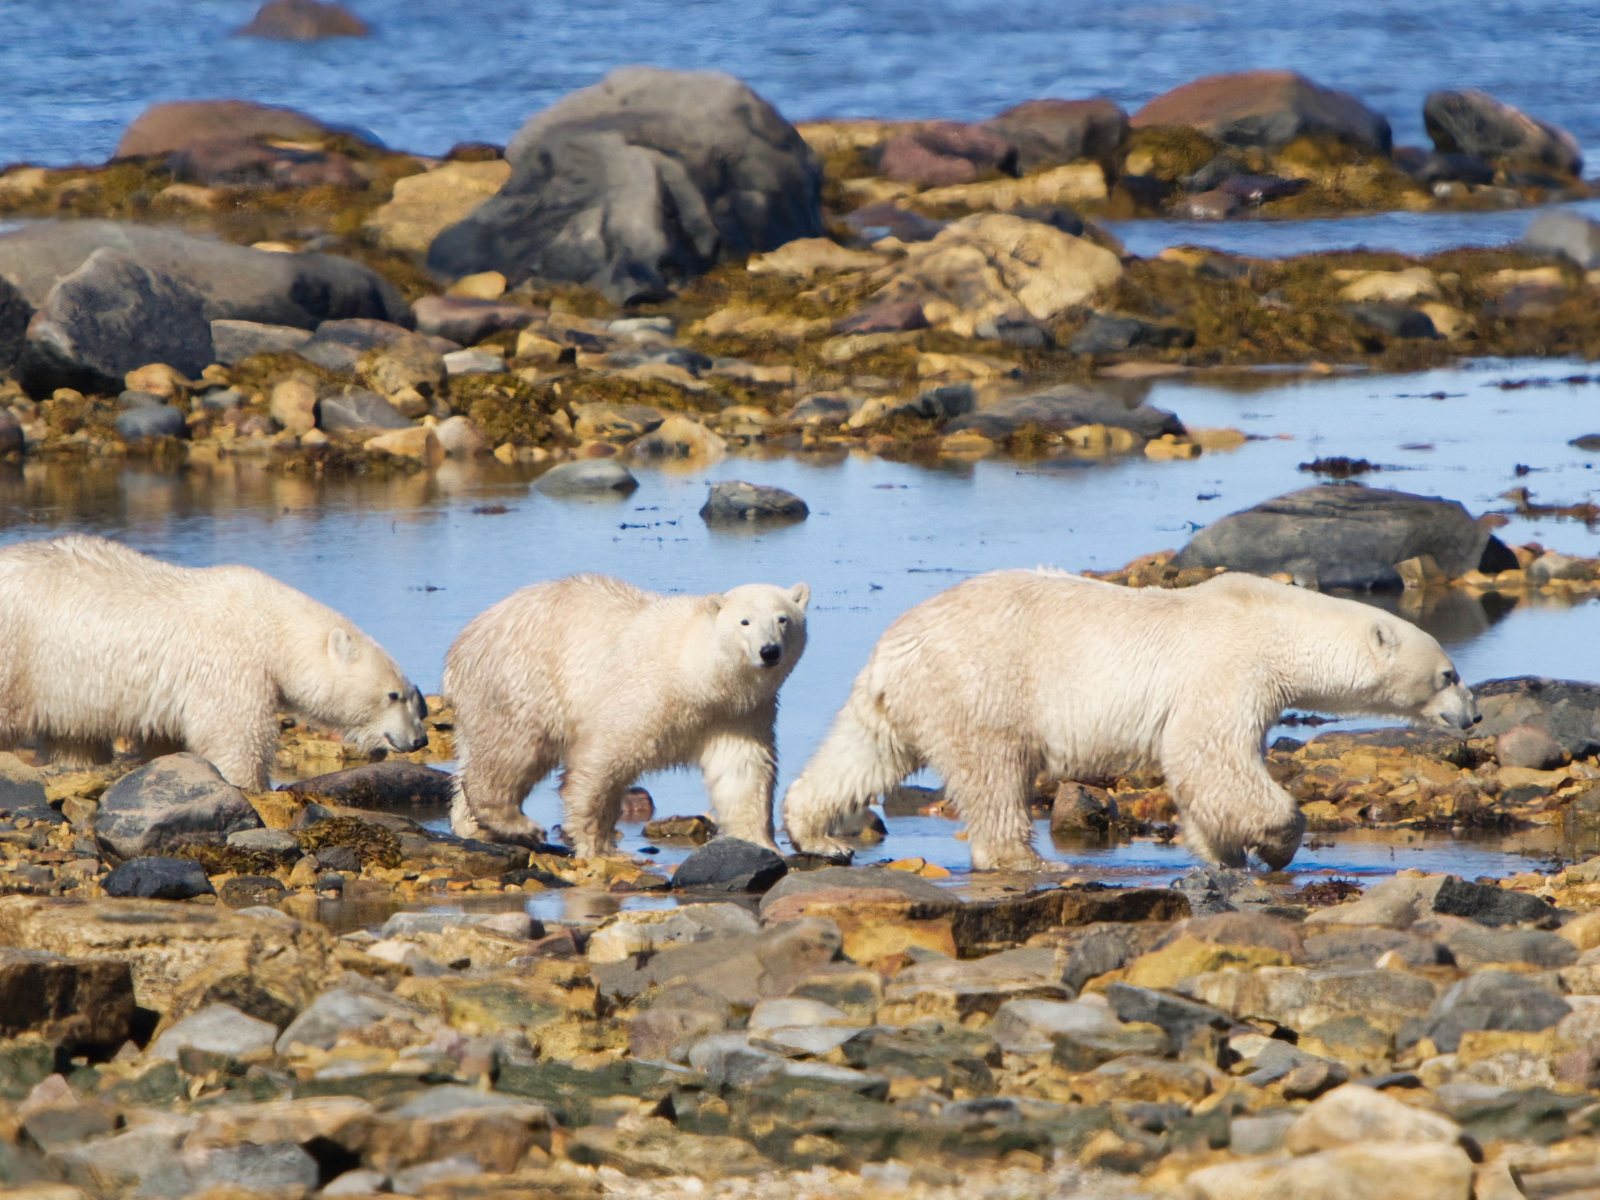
(1015, 329)
(1393, 320)
(1363, 945)
(356, 409)
(1340, 535)
(1567, 710)
(1209, 890)
(1432, 167)
(235, 341)
(733, 501)
(1489, 905)
(1473, 946)
(367, 333)
(1067, 407)
(236, 283)
(681, 170)
(177, 800)
(1102, 949)
(468, 321)
(1489, 1000)
(912, 887)
(154, 878)
(391, 784)
(824, 408)
(15, 312)
(1050, 133)
(154, 421)
(1472, 122)
(1107, 333)
(1570, 234)
(951, 400)
(588, 477)
(339, 858)
(11, 439)
(726, 864)
(107, 317)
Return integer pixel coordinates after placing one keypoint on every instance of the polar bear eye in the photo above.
(394, 695)
(783, 620)
(746, 621)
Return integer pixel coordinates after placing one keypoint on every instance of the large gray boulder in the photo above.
(1067, 407)
(235, 283)
(1471, 122)
(1568, 711)
(638, 184)
(1340, 536)
(177, 801)
(109, 316)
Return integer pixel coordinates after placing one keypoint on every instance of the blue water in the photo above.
(436, 73)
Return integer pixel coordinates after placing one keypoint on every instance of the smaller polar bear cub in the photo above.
(1015, 672)
(610, 682)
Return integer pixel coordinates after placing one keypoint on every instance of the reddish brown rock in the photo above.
(302, 21)
(1268, 109)
(940, 153)
(163, 128)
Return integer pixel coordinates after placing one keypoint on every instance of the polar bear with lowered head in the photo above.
(98, 641)
(1016, 672)
(610, 682)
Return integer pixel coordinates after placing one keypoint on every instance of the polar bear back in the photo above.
(95, 636)
(1091, 674)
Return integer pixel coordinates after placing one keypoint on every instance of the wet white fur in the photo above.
(98, 641)
(610, 682)
(1016, 672)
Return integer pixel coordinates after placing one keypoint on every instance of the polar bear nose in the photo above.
(771, 653)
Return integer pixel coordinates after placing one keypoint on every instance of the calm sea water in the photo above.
(433, 74)
(411, 563)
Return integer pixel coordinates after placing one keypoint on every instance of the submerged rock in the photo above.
(683, 170)
(1340, 535)
(1068, 407)
(302, 21)
(588, 477)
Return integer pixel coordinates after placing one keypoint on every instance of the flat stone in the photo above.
(902, 883)
(1382, 1171)
(728, 864)
(335, 1011)
(588, 477)
(742, 970)
(500, 1129)
(172, 802)
(1068, 406)
(473, 362)
(466, 320)
(1473, 946)
(235, 341)
(1492, 1000)
(1303, 1000)
(155, 878)
(728, 1058)
(216, 1029)
(1352, 1114)
(389, 784)
(266, 841)
(630, 933)
(357, 410)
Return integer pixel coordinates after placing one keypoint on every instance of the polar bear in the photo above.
(1014, 672)
(611, 682)
(98, 641)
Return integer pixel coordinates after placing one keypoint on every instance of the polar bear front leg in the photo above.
(591, 802)
(738, 770)
(1229, 804)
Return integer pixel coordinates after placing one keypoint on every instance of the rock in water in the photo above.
(178, 124)
(728, 864)
(1471, 122)
(108, 317)
(302, 21)
(1570, 234)
(736, 501)
(681, 169)
(1567, 710)
(1068, 407)
(590, 477)
(1267, 109)
(1340, 535)
(153, 878)
(175, 801)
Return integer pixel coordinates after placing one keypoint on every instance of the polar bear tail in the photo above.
(862, 756)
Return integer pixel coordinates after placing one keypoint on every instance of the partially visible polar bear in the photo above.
(98, 641)
(611, 682)
(1015, 672)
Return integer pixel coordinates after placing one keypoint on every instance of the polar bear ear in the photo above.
(714, 603)
(1382, 639)
(340, 648)
(801, 595)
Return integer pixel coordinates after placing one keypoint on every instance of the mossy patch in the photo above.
(374, 845)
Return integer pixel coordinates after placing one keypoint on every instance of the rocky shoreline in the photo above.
(324, 303)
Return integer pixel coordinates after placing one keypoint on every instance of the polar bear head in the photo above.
(367, 697)
(1413, 677)
(763, 626)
